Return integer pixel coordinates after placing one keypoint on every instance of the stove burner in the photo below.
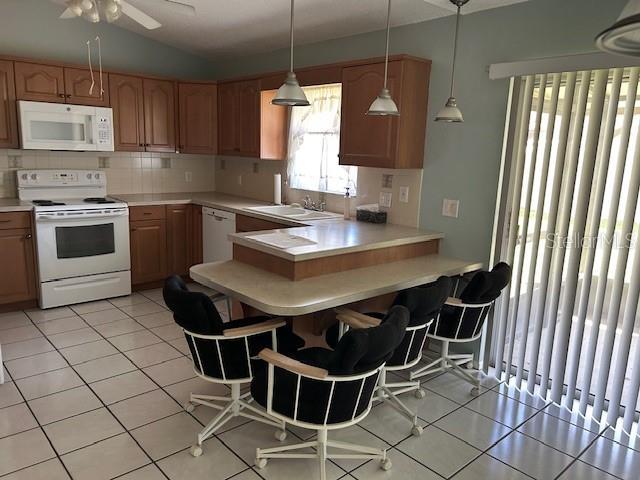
(100, 200)
(46, 203)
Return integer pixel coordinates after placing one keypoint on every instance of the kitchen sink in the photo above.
(291, 212)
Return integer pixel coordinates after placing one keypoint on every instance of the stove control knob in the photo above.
(24, 176)
(97, 176)
(88, 176)
(34, 177)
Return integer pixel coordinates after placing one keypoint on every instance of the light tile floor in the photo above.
(95, 391)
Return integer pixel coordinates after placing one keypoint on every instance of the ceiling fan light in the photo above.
(290, 94)
(623, 37)
(75, 6)
(450, 113)
(92, 15)
(383, 105)
(112, 11)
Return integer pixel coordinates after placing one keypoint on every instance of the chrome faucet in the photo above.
(311, 205)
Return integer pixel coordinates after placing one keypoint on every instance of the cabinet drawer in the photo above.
(250, 224)
(151, 212)
(15, 220)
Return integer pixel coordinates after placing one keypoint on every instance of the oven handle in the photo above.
(83, 216)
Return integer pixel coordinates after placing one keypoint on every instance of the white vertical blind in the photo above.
(568, 329)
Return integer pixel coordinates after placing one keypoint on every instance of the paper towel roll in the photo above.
(277, 189)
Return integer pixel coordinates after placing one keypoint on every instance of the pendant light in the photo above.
(623, 37)
(451, 113)
(384, 104)
(290, 94)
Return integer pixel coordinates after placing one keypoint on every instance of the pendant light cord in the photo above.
(455, 51)
(386, 53)
(291, 37)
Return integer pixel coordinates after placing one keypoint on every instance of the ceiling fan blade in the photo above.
(181, 8)
(139, 16)
(68, 13)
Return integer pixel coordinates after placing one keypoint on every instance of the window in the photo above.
(314, 143)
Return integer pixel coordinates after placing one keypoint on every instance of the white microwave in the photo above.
(59, 126)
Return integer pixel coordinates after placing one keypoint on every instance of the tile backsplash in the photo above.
(127, 172)
(253, 178)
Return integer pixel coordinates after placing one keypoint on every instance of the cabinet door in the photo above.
(41, 83)
(8, 116)
(196, 234)
(159, 116)
(128, 112)
(77, 83)
(198, 104)
(18, 279)
(148, 251)
(179, 242)
(249, 124)
(228, 117)
(368, 141)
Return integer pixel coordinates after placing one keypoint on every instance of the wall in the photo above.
(462, 161)
(126, 172)
(257, 182)
(31, 28)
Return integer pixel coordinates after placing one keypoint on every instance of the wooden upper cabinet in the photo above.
(274, 128)
(239, 118)
(159, 115)
(249, 125)
(8, 116)
(227, 119)
(127, 101)
(383, 141)
(198, 130)
(41, 83)
(77, 84)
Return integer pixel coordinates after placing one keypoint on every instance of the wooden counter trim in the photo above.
(331, 264)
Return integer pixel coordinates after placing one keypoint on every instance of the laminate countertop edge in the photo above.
(276, 295)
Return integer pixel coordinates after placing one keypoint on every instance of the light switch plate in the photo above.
(404, 194)
(385, 199)
(450, 208)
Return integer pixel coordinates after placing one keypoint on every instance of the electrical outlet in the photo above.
(385, 199)
(188, 177)
(450, 208)
(239, 179)
(404, 194)
(387, 180)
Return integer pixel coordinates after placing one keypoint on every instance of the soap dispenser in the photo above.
(347, 204)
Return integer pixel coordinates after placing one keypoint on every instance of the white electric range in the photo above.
(82, 236)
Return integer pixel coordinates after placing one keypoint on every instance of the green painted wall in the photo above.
(30, 28)
(462, 161)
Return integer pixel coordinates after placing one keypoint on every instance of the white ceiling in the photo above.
(227, 28)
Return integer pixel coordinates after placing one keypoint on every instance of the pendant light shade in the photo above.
(290, 94)
(623, 37)
(451, 113)
(383, 104)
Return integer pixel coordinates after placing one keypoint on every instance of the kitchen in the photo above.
(146, 163)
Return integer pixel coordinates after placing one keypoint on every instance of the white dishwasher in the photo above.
(216, 226)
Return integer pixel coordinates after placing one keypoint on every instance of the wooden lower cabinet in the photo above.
(148, 239)
(165, 240)
(179, 243)
(18, 279)
(196, 234)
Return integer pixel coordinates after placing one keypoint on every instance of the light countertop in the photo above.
(278, 295)
(335, 237)
(14, 205)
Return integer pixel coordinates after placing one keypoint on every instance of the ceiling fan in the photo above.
(112, 10)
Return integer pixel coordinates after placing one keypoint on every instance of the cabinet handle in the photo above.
(28, 236)
(133, 229)
(61, 95)
(141, 144)
(146, 213)
(5, 221)
(68, 95)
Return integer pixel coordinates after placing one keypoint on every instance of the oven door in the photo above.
(82, 242)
